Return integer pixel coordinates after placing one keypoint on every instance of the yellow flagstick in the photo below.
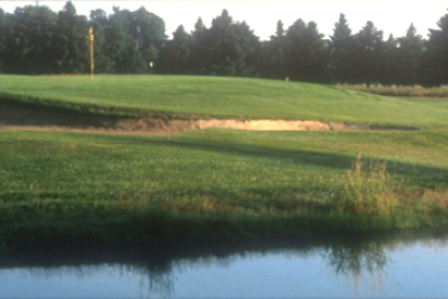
(92, 63)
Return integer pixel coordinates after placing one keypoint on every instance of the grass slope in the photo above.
(230, 98)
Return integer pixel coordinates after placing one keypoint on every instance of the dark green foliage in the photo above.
(278, 50)
(294, 42)
(130, 37)
(224, 49)
(410, 55)
(175, 56)
(3, 17)
(151, 54)
(29, 41)
(272, 55)
(35, 40)
(389, 61)
(435, 64)
(103, 63)
(71, 42)
(122, 47)
(368, 47)
(342, 47)
(307, 53)
(199, 52)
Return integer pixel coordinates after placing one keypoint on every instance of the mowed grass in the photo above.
(230, 98)
(402, 91)
(207, 157)
(66, 190)
(439, 103)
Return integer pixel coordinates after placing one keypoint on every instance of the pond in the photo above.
(407, 265)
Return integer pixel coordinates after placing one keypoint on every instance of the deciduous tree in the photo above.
(100, 23)
(29, 41)
(175, 56)
(71, 42)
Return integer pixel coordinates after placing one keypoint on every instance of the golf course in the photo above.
(159, 162)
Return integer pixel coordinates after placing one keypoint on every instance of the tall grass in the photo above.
(366, 191)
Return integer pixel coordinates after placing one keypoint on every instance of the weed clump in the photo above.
(369, 191)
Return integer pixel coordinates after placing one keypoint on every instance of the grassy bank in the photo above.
(71, 190)
(235, 98)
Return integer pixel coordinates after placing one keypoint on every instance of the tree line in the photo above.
(36, 40)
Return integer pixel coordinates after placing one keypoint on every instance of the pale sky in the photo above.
(390, 16)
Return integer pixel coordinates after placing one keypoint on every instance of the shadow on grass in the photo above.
(420, 175)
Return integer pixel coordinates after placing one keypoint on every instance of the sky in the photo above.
(392, 17)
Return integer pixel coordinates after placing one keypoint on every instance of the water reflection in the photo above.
(353, 258)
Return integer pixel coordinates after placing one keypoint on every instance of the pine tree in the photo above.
(342, 46)
(225, 48)
(368, 46)
(294, 50)
(307, 53)
(435, 64)
(199, 57)
(409, 57)
(276, 55)
(389, 67)
(318, 54)
(219, 46)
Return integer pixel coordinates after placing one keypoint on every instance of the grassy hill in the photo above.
(206, 187)
(229, 98)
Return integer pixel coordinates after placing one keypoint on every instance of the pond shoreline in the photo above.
(167, 232)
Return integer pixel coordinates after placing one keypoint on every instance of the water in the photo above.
(408, 265)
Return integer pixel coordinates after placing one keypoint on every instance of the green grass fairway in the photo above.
(71, 190)
(85, 191)
(230, 98)
(439, 103)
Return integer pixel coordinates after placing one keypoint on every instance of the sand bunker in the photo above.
(175, 126)
(14, 118)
